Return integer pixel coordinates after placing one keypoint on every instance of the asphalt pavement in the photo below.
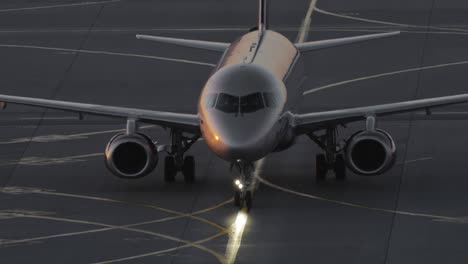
(59, 204)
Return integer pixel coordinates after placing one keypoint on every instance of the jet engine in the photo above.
(370, 153)
(131, 156)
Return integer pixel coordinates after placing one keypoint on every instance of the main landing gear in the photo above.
(176, 161)
(332, 159)
(243, 189)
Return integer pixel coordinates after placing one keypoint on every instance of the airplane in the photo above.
(246, 111)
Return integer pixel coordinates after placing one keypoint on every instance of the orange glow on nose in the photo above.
(217, 138)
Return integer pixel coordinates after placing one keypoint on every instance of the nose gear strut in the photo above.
(243, 193)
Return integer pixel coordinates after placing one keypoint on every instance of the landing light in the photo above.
(240, 186)
(217, 138)
(237, 182)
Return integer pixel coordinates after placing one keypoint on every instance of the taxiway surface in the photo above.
(59, 204)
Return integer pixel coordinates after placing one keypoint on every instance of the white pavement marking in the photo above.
(41, 161)
(55, 138)
(5, 214)
(418, 160)
(220, 257)
(305, 28)
(101, 199)
(354, 205)
(84, 30)
(58, 6)
(108, 53)
(15, 190)
(48, 118)
(385, 22)
(402, 31)
(314, 90)
(13, 213)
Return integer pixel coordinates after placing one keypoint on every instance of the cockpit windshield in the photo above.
(244, 104)
(251, 103)
(227, 103)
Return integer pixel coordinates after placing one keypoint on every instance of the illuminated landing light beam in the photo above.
(235, 236)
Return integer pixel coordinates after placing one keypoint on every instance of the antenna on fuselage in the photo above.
(262, 16)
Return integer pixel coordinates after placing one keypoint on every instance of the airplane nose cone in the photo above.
(242, 140)
(247, 144)
(239, 108)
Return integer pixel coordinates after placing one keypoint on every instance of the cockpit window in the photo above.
(210, 100)
(251, 103)
(245, 104)
(269, 100)
(227, 103)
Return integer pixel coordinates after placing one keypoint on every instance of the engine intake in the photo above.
(370, 153)
(131, 156)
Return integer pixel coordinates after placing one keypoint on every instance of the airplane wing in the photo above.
(305, 123)
(324, 44)
(190, 43)
(187, 122)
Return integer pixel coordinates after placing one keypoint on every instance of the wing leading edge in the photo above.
(187, 122)
(311, 121)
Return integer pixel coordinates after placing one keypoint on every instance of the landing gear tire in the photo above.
(321, 168)
(188, 169)
(340, 168)
(170, 169)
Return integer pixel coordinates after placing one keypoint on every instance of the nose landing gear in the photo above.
(242, 197)
(243, 187)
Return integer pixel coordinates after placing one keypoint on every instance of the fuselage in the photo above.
(243, 104)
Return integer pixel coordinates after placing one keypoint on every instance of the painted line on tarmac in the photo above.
(418, 160)
(58, 6)
(402, 31)
(40, 161)
(17, 190)
(305, 27)
(222, 228)
(130, 30)
(107, 53)
(360, 206)
(55, 137)
(221, 259)
(218, 256)
(8, 214)
(385, 22)
(380, 75)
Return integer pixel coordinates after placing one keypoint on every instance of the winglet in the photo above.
(324, 44)
(196, 44)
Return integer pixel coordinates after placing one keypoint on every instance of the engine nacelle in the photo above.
(131, 156)
(370, 153)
